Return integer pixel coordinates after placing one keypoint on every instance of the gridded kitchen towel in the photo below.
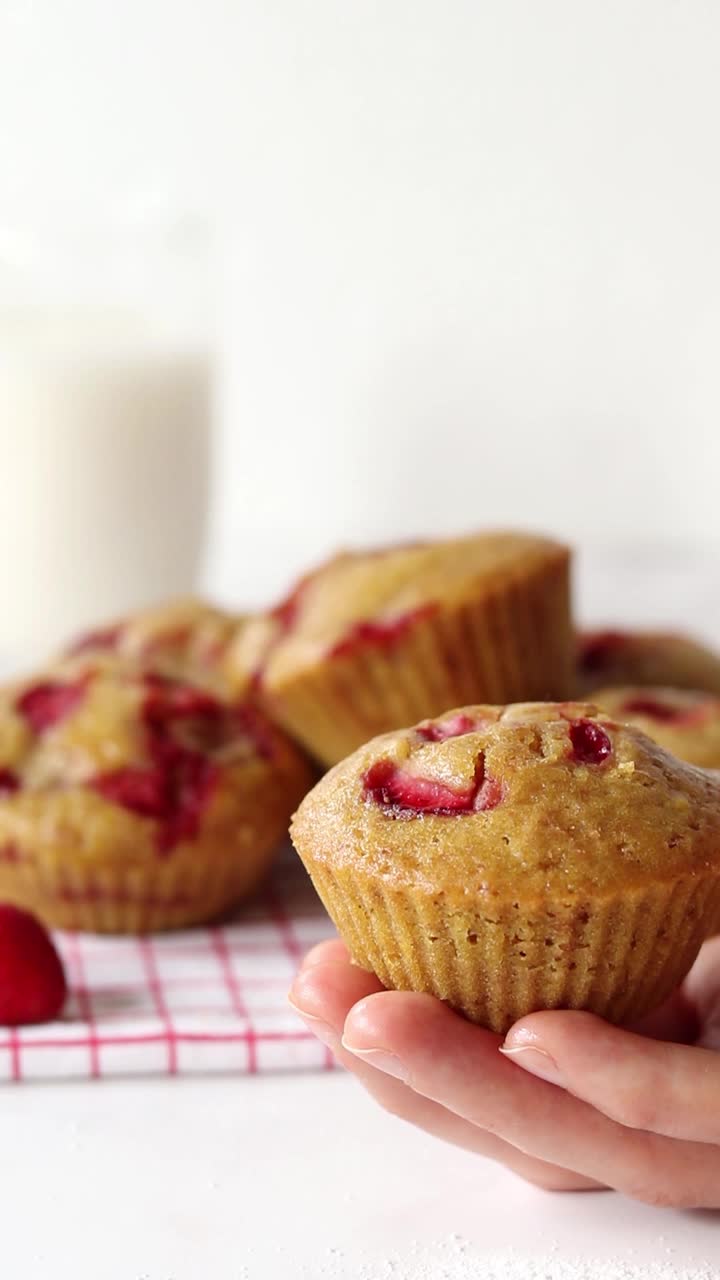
(198, 1001)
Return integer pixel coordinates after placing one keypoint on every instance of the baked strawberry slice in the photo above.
(47, 703)
(143, 791)
(379, 633)
(665, 713)
(590, 743)
(9, 782)
(455, 727)
(32, 980)
(168, 700)
(175, 790)
(105, 639)
(599, 649)
(191, 783)
(401, 792)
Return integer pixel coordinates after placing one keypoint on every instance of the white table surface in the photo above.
(280, 1177)
(302, 1177)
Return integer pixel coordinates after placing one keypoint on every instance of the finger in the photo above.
(401, 1101)
(331, 949)
(458, 1065)
(324, 995)
(662, 1088)
(703, 987)
(676, 1019)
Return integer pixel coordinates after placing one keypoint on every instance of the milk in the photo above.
(104, 456)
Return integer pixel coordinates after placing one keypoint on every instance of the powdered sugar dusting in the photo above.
(457, 1259)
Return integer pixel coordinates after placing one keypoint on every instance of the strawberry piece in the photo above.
(105, 639)
(175, 790)
(46, 704)
(144, 791)
(9, 782)
(168, 700)
(453, 728)
(191, 782)
(664, 712)
(599, 649)
(491, 793)
(32, 980)
(184, 726)
(405, 793)
(379, 634)
(253, 724)
(590, 743)
(287, 612)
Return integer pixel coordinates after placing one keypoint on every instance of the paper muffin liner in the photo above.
(495, 962)
(109, 899)
(514, 643)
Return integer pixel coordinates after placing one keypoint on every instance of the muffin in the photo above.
(130, 801)
(509, 859)
(245, 657)
(374, 640)
(645, 658)
(681, 720)
(183, 638)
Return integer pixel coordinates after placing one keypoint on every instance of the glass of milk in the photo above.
(105, 422)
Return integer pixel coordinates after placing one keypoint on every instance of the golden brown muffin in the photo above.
(181, 637)
(373, 640)
(509, 859)
(245, 656)
(646, 658)
(681, 720)
(131, 802)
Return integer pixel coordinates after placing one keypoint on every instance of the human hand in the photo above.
(636, 1110)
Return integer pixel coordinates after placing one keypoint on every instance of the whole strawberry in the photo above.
(32, 979)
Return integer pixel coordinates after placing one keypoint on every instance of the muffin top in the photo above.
(184, 637)
(371, 597)
(96, 741)
(646, 658)
(681, 720)
(517, 801)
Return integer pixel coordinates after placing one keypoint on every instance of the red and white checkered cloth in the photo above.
(203, 1000)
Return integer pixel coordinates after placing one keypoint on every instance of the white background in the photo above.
(301, 1178)
(470, 251)
(470, 274)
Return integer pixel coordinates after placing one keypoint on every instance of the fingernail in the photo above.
(380, 1058)
(535, 1060)
(320, 1029)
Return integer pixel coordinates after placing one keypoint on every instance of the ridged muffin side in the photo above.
(132, 802)
(373, 640)
(518, 858)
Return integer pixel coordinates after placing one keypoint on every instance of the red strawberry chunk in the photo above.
(144, 791)
(184, 726)
(455, 727)
(191, 784)
(664, 712)
(378, 634)
(32, 981)
(176, 791)
(402, 792)
(590, 743)
(170, 700)
(490, 794)
(92, 641)
(46, 704)
(9, 782)
(253, 724)
(600, 648)
(287, 612)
